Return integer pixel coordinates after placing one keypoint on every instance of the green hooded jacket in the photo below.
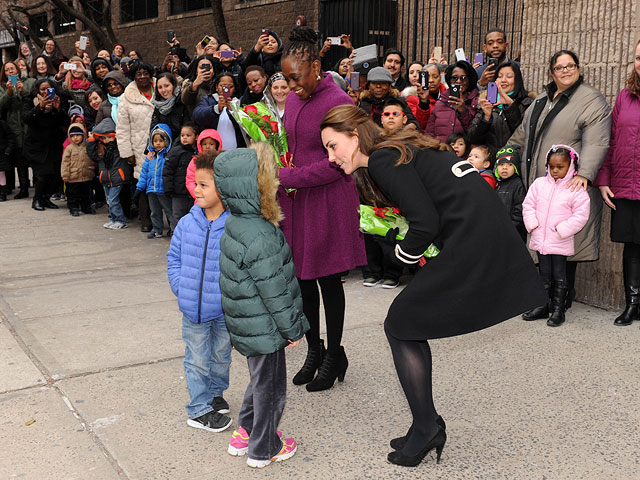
(260, 293)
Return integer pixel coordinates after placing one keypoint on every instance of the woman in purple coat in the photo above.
(619, 182)
(321, 220)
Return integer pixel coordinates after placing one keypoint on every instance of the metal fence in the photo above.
(417, 26)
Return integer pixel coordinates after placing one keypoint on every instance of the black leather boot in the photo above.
(557, 304)
(541, 311)
(3, 193)
(47, 203)
(315, 355)
(22, 193)
(36, 205)
(334, 365)
(23, 177)
(632, 293)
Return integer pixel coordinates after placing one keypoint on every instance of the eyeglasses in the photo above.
(570, 67)
(112, 84)
(461, 78)
(389, 114)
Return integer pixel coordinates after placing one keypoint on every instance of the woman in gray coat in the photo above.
(573, 113)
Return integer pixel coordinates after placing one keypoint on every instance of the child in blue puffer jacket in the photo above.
(151, 179)
(194, 274)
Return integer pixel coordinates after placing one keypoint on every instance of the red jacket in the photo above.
(423, 115)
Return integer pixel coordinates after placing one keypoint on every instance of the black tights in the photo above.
(552, 267)
(631, 252)
(333, 301)
(413, 366)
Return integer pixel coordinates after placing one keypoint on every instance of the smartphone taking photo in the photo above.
(354, 80)
(424, 79)
(83, 42)
(492, 93)
(455, 90)
(51, 93)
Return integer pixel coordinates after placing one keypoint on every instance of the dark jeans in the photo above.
(180, 206)
(159, 203)
(552, 267)
(263, 404)
(79, 196)
(144, 212)
(378, 266)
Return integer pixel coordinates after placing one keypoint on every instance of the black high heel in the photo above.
(437, 442)
(400, 442)
(334, 366)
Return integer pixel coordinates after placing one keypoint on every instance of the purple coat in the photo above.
(446, 120)
(621, 169)
(321, 223)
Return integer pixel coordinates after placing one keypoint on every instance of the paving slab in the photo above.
(52, 446)
(18, 371)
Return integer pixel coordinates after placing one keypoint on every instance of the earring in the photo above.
(319, 77)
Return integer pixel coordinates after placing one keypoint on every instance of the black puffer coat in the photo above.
(511, 193)
(174, 174)
(504, 121)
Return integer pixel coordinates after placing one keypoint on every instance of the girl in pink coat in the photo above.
(553, 213)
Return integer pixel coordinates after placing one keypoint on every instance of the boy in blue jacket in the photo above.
(151, 179)
(194, 274)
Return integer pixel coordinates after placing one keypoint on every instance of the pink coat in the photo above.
(190, 179)
(554, 214)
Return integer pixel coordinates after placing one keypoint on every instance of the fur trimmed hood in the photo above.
(247, 181)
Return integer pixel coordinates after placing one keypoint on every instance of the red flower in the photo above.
(266, 134)
(251, 109)
(274, 127)
(380, 212)
(266, 118)
(395, 210)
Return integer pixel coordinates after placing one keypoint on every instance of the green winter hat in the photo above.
(507, 154)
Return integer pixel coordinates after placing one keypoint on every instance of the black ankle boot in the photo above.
(400, 442)
(315, 355)
(47, 203)
(541, 311)
(36, 205)
(3, 193)
(557, 304)
(22, 193)
(334, 365)
(437, 442)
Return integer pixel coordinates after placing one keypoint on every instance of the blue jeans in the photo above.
(116, 214)
(207, 358)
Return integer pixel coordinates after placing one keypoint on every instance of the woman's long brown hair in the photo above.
(633, 82)
(352, 120)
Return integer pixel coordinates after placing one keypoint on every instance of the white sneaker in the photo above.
(108, 224)
(117, 226)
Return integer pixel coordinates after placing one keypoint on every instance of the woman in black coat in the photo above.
(47, 124)
(447, 203)
(169, 108)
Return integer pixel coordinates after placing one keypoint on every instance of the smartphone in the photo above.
(492, 93)
(205, 41)
(335, 40)
(492, 63)
(83, 42)
(226, 93)
(206, 67)
(51, 93)
(70, 66)
(478, 58)
(455, 90)
(13, 79)
(354, 80)
(265, 31)
(424, 79)
(227, 54)
(170, 35)
(460, 55)
(437, 53)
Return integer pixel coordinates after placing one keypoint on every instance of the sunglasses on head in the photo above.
(389, 114)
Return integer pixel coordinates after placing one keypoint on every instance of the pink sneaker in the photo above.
(239, 443)
(289, 447)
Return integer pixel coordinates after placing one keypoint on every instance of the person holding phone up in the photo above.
(456, 107)
(428, 92)
(229, 60)
(495, 47)
(266, 53)
(199, 82)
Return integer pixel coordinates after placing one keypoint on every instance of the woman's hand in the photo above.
(222, 103)
(203, 76)
(20, 87)
(325, 47)
(132, 160)
(346, 41)
(262, 42)
(423, 94)
(607, 195)
(504, 98)
(9, 86)
(457, 103)
(56, 102)
(578, 182)
(487, 108)
(199, 49)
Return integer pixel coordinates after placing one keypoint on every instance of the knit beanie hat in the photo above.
(76, 131)
(507, 154)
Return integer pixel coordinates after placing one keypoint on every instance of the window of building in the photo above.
(38, 23)
(183, 6)
(93, 10)
(63, 22)
(132, 10)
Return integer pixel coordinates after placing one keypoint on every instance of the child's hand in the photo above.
(293, 344)
(151, 155)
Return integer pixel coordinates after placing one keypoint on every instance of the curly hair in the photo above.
(303, 44)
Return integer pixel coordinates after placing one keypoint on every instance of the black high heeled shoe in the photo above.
(315, 355)
(400, 442)
(437, 442)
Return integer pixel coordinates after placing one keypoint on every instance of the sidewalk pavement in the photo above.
(92, 383)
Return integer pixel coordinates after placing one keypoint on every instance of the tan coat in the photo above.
(76, 165)
(133, 125)
(584, 124)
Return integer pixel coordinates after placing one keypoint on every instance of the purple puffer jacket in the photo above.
(445, 120)
(621, 169)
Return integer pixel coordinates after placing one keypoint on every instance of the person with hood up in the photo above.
(151, 179)
(77, 171)
(174, 175)
(113, 85)
(261, 298)
(267, 53)
(231, 65)
(99, 69)
(510, 188)
(209, 140)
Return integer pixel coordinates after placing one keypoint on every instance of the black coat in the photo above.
(46, 132)
(7, 146)
(511, 193)
(178, 116)
(483, 274)
(174, 174)
(503, 123)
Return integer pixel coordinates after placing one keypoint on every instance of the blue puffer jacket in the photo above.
(194, 265)
(151, 174)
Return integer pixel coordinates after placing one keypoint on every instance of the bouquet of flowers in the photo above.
(260, 124)
(378, 221)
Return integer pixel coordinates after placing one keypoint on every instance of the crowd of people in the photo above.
(148, 141)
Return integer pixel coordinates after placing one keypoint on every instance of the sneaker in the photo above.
(74, 213)
(219, 404)
(211, 421)
(154, 235)
(389, 283)
(239, 443)
(370, 281)
(108, 224)
(289, 447)
(118, 226)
